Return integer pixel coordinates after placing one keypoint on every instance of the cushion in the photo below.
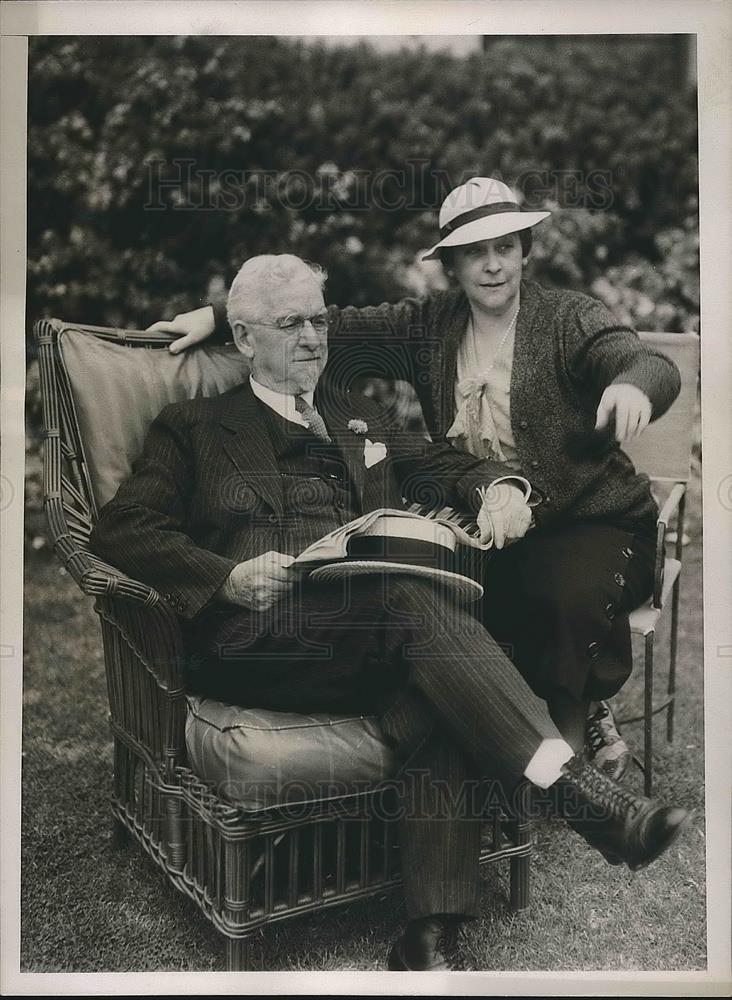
(258, 759)
(119, 389)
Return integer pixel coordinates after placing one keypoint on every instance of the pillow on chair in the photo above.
(258, 759)
(119, 389)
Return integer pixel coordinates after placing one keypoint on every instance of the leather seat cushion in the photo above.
(259, 759)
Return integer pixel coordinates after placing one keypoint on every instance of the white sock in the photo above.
(545, 767)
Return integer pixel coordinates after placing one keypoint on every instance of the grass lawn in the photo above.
(87, 906)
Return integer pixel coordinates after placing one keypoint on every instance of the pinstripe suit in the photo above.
(207, 494)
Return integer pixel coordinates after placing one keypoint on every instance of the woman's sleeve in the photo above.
(377, 341)
(222, 331)
(601, 351)
(373, 341)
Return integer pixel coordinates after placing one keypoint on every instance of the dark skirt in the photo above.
(558, 602)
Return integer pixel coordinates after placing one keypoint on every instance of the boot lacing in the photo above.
(593, 732)
(597, 786)
(612, 797)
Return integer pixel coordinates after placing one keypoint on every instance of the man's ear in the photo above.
(242, 339)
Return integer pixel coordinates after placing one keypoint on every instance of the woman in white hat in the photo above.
(545, 383)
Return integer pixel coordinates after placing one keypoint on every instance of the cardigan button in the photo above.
(594, 650)
(619, 579)
(523, 424)
(534, 463)
(627, 552)
(610, 611)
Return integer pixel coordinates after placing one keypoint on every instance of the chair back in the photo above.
(663, 451)
(102, 388)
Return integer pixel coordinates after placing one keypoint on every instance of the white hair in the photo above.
(253, 289)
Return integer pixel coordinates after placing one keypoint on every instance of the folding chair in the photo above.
(663, 452)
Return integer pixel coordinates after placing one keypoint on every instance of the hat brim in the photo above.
(488, 228)
(461, 587)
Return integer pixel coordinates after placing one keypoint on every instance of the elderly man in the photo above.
(231, 489)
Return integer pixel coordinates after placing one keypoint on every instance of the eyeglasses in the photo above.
(294, 325)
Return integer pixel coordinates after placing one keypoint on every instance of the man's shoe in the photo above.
(623, 827)
(425, 946)
(604, 745)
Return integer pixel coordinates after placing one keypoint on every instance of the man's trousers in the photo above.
(451, 702)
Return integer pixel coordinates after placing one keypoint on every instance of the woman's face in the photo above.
(490, 273)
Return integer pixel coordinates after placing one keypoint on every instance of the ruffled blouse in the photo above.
(482, 424)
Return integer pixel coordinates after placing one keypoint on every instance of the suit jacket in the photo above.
(568, 348)
(207, 492)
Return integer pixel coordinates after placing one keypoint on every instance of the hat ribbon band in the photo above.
(478, 213)
(405, 550)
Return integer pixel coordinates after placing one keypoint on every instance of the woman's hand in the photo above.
(259, 583)
(504, 515)
(630, 406)
(192, 327)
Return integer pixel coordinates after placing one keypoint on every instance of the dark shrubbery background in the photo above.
(610, 116)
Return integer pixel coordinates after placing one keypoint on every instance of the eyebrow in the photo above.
(322, 314)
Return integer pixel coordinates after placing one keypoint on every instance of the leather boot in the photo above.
(622, 826)
(425, 946)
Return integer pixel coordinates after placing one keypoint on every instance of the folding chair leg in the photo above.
(680, 518)
(672, 663)
(648, 715)
(520, 882)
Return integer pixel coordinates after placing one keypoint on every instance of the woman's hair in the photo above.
(446, 253)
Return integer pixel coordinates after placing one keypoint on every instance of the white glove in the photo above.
(504, 515)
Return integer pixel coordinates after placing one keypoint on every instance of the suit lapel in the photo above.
(336, 409)
(247, 442)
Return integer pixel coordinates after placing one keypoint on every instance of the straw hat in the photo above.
(404, 543)
(480, 209)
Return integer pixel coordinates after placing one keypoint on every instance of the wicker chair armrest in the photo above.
(104, 580)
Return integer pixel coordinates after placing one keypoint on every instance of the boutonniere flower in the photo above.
(358, 426)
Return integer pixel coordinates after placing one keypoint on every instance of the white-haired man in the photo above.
(230, 489)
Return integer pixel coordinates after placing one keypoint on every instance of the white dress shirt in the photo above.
(280, 402)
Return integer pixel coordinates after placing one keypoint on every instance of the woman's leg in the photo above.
(558, 602)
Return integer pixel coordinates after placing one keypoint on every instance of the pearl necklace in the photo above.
(500, 347)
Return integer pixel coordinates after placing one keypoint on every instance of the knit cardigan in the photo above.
(568, 348)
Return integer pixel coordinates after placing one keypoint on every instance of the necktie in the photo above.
(314, 420)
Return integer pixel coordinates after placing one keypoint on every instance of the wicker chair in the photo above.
(244, 869)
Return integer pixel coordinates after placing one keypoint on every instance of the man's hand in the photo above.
(191, 327)
(632, 409)
(504, 515)
(259, 583)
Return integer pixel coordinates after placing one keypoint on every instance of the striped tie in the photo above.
(314, 421)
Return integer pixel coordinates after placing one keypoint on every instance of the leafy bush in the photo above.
(347, 155)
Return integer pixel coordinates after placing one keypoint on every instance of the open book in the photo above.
(334, 545)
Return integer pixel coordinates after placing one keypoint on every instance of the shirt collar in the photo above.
(280, 402)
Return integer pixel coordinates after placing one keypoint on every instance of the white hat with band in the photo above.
(481, 209)
(404, 543)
